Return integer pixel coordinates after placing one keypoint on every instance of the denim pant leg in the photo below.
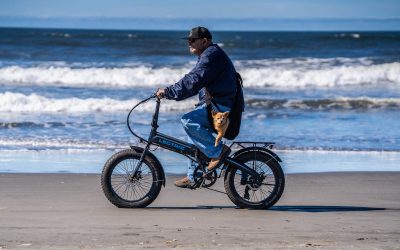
(199, 131)
(191, 165)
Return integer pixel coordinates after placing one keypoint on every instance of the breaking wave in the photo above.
(21, 103)
(55, 143)
(17, 102)
(340, 103)
(72, 145)
(276, 73)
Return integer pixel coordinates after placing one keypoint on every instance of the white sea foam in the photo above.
(352, 35)
(72, 145)
(101, 77)
(17, 102)
(333, 103)
(303, 76)
(55, 143)
(12, 102)
(278, 73)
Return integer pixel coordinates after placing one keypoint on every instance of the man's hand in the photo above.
(160, 93)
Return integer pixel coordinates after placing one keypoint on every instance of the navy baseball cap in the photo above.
(199, 32)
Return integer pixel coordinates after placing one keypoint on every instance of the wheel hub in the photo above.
(254, 183)
(136, 177)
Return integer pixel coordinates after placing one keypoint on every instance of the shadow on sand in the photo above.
(308, 209)
(319, 209)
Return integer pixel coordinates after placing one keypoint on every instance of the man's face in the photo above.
(197, 45)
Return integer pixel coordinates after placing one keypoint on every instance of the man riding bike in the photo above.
(213, 78)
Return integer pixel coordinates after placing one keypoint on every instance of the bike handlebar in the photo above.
(154, 95)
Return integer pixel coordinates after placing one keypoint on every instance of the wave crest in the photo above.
(20, 103)
(340, 103)
(17, 102)
(282, 74)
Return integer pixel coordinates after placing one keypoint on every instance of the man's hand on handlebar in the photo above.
(160, 93)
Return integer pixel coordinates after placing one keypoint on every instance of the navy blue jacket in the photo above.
(215, 71)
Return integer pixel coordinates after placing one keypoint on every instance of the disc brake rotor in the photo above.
(253, 183)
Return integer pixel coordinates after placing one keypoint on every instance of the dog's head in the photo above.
(220, 118)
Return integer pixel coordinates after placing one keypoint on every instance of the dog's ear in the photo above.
(226, 114)
(213, 113)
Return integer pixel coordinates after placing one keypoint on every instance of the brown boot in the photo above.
(214, 162)
(183, 183)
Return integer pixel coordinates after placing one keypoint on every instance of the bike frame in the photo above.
(179, 146)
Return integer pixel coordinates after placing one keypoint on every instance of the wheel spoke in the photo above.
(267, 184)
(136, 188)
(119, 186)
(264, 193)
(252, 195)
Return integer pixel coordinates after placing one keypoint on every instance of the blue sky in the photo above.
(223, 14)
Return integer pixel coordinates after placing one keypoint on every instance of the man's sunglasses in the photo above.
(192, 40)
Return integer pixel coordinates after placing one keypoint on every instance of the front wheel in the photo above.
(125, 190)
(248, 192)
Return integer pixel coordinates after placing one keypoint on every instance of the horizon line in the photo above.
(217, 24)
(207, 18)
(184, 30)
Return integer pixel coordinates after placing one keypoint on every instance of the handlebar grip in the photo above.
(155, 95)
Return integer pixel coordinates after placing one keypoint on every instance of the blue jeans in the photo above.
(199, 131)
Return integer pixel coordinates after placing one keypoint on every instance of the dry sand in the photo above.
(317, 211)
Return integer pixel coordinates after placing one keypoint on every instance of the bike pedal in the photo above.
(193, 186)
(208, 173)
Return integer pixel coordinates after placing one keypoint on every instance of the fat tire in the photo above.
(113, 197)
(278, 175)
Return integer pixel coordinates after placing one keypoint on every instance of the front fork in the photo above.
(139, 164)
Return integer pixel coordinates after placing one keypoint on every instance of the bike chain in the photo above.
(216, 190)
(196, 185)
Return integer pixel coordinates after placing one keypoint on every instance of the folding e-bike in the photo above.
(132, 178)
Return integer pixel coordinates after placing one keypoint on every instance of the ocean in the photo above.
(321, 96)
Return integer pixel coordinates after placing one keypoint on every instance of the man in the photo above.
(213, 77)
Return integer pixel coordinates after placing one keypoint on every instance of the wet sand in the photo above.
(316, 211)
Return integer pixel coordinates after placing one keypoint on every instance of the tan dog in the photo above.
(221, 123)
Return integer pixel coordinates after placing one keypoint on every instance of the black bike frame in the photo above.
(179, 146)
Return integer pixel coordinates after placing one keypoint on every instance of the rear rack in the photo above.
(267, 145)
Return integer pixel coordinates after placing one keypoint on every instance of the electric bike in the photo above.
(132, 178)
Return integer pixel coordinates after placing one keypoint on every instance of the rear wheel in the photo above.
(249, 192)
(125, 190)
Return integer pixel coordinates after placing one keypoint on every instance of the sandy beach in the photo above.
(317, 211)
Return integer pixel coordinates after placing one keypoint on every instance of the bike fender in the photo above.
(261, 149)
(153, 157)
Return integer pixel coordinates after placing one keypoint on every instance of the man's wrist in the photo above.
(166, 92)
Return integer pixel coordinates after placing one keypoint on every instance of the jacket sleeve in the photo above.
(203, 74)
